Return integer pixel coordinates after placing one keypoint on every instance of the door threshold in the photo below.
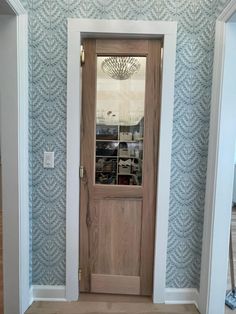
(118, 298)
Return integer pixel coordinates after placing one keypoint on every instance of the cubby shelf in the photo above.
(120, 141)
(107, 154)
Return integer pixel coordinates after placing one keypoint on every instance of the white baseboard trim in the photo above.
(58, 293)
(48, 293)
(181, 296)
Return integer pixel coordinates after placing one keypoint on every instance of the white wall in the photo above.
(234, 189)
(5, 8)
(9, 145)
(233, 19)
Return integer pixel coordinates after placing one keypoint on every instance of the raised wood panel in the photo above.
(122, 46)
(115, 284)
(103, 297)
(121, 192)
(115, 237)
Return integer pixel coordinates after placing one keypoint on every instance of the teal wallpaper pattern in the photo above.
(47, 72)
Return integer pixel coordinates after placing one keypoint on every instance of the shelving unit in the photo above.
(119, 161)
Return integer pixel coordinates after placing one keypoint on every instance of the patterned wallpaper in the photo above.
(48, 48)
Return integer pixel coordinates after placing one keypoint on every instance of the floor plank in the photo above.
(108, 307)
(95, 304)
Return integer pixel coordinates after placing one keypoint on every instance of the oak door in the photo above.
(119, 156)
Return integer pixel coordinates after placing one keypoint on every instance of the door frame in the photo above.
(219, 185)
(15, 183)
(84, 28)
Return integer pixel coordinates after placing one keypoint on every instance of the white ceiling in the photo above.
(5, 9)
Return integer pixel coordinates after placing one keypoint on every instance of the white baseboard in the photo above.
(48, 293)
(181, 296)
(58, 293)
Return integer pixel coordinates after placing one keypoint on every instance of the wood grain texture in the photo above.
(151, 141)
(117, 222)
(87, 145)
(122, 46)
(121, 192)
(115, 237)
(103, 297)
(115, 284)
(117, 304)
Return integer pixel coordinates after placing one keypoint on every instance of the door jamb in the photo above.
(19, 214)
(219, 183)
(77, 29)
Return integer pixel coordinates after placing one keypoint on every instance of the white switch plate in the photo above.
(48, 160)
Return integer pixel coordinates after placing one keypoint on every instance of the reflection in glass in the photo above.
(120, 126)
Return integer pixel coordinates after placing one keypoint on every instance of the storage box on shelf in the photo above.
(126, 136)
(124, 152)
(124, 169)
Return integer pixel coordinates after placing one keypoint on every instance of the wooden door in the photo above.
(119, 155)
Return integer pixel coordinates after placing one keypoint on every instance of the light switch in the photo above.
(48, 160)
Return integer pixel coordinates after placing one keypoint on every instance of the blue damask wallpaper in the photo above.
(47, 53)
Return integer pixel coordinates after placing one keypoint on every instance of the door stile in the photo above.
(87, 145)
(151, 134)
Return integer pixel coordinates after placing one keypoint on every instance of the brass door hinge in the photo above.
(81, 172)
(80, 274)
(82, 55)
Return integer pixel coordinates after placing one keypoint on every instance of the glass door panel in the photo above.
(120, 99)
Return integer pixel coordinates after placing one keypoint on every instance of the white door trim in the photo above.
(23, 145)
(219, 183)
(16, 240)
(77, 29)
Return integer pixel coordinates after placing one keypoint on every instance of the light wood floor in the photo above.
(100, 304)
